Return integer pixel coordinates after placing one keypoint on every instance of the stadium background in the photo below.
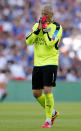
(16, 60)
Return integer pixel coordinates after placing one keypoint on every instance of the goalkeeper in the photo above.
(46, 36)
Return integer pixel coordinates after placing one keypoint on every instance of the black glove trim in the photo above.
(37, 32)
(44, 31)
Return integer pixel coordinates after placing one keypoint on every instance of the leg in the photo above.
(37, 93)
(37, 85)
(49, 101)
(4, 94)
(49, 80)
(39, 96)
(47, 89)
(51, 113)
(49, 104)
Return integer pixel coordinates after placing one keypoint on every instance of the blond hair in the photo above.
(48, 7)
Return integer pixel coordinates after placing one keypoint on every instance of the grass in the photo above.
(30, 117)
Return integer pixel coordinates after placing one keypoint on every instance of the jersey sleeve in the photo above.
(55, 37)
(31, 37)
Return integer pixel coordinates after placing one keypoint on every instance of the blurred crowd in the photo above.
(16, 20)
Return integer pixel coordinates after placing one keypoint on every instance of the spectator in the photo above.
(3, 83)
(71, 76)
(16, 20)
(3, 61)
(17, 71)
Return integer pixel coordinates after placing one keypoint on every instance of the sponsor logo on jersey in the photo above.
(40, 41)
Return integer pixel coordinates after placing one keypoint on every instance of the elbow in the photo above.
(29, 42)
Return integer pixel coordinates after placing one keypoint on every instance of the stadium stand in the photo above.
(16, 19)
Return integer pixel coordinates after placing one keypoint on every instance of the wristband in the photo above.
(37, 31)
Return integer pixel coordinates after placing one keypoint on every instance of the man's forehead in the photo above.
(44, 11)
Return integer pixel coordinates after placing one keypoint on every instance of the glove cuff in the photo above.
(44, 31)
(37, 31)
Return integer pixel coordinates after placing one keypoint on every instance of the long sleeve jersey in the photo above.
(46, 45)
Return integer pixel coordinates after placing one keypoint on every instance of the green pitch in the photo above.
(30, 117)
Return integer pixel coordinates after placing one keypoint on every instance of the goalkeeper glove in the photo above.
(42, 25)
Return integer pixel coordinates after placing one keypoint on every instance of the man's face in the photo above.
(47, 14)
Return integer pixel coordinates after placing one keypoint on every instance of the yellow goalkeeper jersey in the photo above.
(46, 45)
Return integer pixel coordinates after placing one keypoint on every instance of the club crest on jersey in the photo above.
(49, 29)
